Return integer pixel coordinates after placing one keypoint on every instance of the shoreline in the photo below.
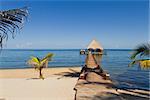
(48, 67)
(50, 71)
(62, 80)
(32, 73)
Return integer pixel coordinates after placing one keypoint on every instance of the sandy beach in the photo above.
(23, 84)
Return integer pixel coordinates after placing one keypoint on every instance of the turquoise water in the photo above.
(115, 62)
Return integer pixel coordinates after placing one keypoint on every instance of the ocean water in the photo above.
(115, 63)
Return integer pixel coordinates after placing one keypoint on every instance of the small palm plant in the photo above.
(141, 51)
(39, 64)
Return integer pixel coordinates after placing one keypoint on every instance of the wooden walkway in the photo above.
(95, 87)
(94, 84)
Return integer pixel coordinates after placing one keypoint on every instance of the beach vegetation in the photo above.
(141, 56)
(39, 64)
(11, 21)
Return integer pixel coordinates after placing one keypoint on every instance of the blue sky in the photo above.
(73, 24)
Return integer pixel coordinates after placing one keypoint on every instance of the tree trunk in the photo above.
(40, 72)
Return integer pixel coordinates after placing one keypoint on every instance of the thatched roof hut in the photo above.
(94, 45)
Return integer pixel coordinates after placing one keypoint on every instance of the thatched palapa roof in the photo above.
(94, 45)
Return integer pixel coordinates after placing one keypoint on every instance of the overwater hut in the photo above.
(92, 78)
(95, 49)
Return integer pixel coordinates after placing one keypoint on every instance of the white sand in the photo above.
(35, 89)
(22, 84)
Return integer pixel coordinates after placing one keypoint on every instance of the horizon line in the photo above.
(57, 48)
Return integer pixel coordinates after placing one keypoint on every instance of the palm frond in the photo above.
(143, 63)
(11, 21)
(48, 57)
(38, 63)
(142, 50)
(133, 63)
(34, 62)
(44, 63)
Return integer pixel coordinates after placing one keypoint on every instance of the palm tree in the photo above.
(39, 64)
(11, 21)
(138, 55)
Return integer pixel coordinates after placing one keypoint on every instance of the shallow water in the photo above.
(115, 62)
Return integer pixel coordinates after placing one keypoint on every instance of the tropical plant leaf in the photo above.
(11, 21)
(142, 50)
(48, 57)
(40, 64)
(34, 62)
(37, 63)
(133, 63)
(45, 60)
(144, 63)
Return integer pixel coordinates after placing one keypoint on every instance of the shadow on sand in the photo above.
(71, 73)
(122, 96)
(116, 94)
(107, 85)
(33, 79)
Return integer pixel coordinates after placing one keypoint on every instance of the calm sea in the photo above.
(115, 62)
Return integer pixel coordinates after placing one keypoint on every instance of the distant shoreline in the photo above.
(47, 67)
(61, 49)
